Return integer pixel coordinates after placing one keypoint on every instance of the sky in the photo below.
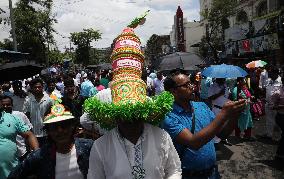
(110, 17)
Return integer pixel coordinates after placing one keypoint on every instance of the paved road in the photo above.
(249, 160)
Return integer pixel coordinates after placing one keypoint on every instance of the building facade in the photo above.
(255, 32)
(192, 34)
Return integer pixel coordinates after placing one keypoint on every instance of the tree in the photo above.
(34, 29)
(7, 44)
(217, 22)
(55, 56)
(83, 40)
(1, 12)
(154, 47)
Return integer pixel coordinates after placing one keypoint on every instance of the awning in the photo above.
(11, 52)
(269, 15)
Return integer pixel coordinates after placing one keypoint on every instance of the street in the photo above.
(250, 159)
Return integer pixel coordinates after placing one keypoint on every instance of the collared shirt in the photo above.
(159, 86)
(86, 87)
(263, 79)
(18, 102)
(37, 111)
(178, 120)
(21, 145)
(109, 158)
(10, 126)
(272, 88)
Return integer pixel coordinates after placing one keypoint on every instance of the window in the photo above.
(261, 9)
(242, 17)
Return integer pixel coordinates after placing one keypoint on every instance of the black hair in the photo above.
(7, 97)
(97, 82)
(16, 83)
(169, 82)
(69, 82)
(35, 81)
(192, 77)
(240, 79)
(50, 80)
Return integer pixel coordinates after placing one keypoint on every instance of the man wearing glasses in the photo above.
(192, 126)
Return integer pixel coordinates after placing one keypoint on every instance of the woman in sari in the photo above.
(245, 123)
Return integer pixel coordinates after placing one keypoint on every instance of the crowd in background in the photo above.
(31, 99)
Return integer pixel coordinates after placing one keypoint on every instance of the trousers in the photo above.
(270, 120)
(280, 123)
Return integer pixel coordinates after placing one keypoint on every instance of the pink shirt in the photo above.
(100, 87)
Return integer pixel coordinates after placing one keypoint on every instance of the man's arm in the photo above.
(230, 112)
(31, 139)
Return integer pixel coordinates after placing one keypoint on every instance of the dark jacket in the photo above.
(41, 162)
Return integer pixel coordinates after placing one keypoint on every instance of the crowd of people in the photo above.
(45, 132)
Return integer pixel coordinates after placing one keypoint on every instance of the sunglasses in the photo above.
(186, 85)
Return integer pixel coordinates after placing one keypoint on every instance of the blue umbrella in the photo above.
(224, 71)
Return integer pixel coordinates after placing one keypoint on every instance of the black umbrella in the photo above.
(105, 66)
(18, 70)
(92, 66)
(181, 60)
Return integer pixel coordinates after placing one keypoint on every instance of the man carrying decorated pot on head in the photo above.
(133, 148)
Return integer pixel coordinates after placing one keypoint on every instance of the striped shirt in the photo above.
(37, 111)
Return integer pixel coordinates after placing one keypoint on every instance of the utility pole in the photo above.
(13, 26)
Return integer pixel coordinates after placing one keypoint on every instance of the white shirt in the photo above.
(18, 103)
(66, 166)
(104, 95)
(21, 146)
(150, 82)
(159, 86)
(108, 158)
(215, 88)
(37, 111)
(78, 78)
(263, 79)
(76, 82)
(272, 88)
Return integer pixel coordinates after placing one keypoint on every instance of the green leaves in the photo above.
(151, 111)
(82, 40)
(216, 19)
(138, 20)
(34, 27)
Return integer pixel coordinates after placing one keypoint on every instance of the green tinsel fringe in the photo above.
(152, 111)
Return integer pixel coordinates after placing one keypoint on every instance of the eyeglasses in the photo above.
(186, 84)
